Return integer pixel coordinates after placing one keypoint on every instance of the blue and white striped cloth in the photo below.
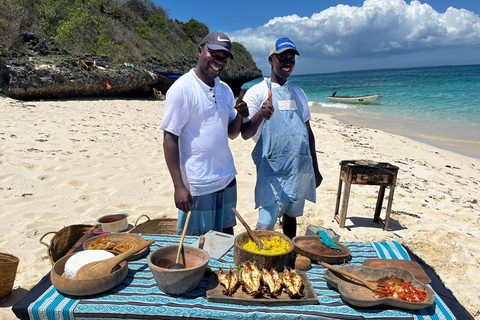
(138, 297)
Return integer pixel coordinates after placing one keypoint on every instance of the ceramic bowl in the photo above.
(178, 281)
(115, 222)
(86, 287)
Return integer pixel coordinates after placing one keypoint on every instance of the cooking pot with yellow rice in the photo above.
(279, 255)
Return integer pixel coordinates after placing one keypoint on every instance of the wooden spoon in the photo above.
(177, 264)
(374, 286)
(104, 267)
(250, 232)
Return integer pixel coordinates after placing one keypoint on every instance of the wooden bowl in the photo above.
(119, 238)
(86, 287)
(178, 281)
(278, 261)
(358, 295)
(311, 247)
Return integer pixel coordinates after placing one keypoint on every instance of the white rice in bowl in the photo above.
(82, 258)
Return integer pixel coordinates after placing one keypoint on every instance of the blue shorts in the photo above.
(211, 211)
(267, 217)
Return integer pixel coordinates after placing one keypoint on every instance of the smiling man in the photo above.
(200, 115)
(284, 154)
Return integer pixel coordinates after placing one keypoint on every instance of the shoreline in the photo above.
(70, 162)
(447, 136)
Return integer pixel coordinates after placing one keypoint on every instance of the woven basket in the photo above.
(156, 226)
(65, 239)
(8, 271)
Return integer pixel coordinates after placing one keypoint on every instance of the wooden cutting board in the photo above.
(409, 265)
(214, 294)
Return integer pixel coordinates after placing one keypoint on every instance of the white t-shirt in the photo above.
(256, 96)
(199, 115)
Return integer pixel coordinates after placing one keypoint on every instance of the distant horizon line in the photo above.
(385, 69)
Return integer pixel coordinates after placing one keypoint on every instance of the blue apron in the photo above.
(282, 154)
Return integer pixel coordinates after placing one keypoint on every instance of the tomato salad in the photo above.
(401, 290)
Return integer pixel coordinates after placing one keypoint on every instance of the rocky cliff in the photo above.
(46, 72)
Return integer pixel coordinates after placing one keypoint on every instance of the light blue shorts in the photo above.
(211, 211)
(267, 217)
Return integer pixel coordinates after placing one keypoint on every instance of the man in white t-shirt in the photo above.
(284, 154)
(199, 118)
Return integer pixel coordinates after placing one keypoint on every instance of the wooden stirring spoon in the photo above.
(375, 287)
(177, 264)
(104, 267)
(250, 232)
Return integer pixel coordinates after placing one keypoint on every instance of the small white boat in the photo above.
(368, 99)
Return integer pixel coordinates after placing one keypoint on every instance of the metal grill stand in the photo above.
(369, 173)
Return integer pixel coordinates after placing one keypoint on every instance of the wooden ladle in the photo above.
(250, 232)
(104, 267)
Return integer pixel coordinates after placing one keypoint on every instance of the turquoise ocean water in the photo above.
(440, 102)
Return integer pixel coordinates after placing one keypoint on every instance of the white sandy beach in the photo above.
(70, 162)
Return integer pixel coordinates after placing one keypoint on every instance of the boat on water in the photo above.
(368, 99)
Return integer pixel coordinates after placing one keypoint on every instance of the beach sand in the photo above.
(70, 162)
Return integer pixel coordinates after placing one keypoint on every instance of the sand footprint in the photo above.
(158, 209)
(78, 184)
(45, 177)
(125, 206)
(108, 177)
(44, 216)
(32, 167)
(5, 177)
(108, 191)
(87, 197)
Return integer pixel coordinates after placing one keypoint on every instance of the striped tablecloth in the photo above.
(138, 297)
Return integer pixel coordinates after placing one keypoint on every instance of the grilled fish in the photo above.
(230, 281)
(273, 281)
(222, 277)
(250, 277)
(297, 283)
(278, 282)
(233, 281)
(292, 282)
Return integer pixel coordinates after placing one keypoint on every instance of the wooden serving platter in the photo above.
(119, 238)
(358, 295)
(409, 265)
(311, 247)
(214, 294)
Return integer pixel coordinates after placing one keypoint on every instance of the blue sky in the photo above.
(346, 35)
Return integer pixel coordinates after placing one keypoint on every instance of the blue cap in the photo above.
(283, 44)
(218, 41)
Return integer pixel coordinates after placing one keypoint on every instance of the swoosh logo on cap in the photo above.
(220, 39)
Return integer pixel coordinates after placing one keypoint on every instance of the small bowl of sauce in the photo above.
(115, 222)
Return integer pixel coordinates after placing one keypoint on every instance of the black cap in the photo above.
(218, 41)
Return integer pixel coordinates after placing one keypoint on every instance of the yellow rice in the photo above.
(276, 244)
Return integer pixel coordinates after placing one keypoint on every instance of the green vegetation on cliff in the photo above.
(123, 30)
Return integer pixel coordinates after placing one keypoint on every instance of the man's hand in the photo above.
(183, 199)
(241, 106)
(267, 107)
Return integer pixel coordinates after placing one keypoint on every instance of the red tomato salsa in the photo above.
(401, 290)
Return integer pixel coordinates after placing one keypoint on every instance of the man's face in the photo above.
(283, 63)
(212, 62)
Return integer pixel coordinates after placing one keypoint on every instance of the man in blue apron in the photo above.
(284, 154)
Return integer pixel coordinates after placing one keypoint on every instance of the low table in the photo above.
(138, 296)
(366, 172)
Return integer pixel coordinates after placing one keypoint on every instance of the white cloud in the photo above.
(379, 31)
